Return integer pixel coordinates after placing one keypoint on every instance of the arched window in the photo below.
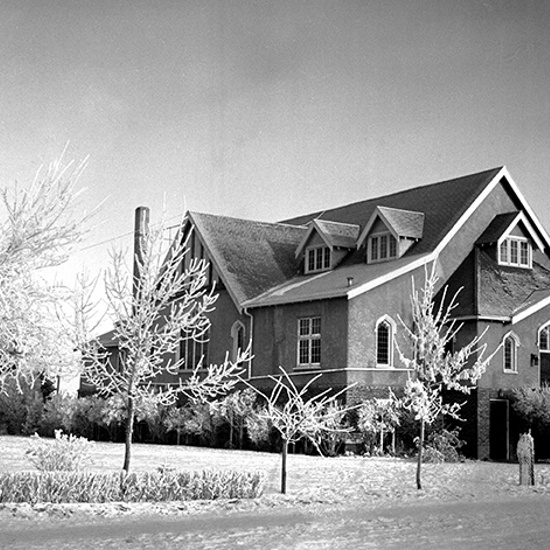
(544, 337)
(238, 337)
(510, 352)
(385, 333)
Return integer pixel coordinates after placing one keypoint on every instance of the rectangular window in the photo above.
(194, 353)
(393, 247)
(311, 260)
(515, 251)
(374, 248)
(504, 252)
(382, 247)
(309, 342)
(318, 259)
(524, 253)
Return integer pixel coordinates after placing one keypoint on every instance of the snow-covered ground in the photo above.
(332, 503)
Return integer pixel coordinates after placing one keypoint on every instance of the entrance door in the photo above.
(498, 429)
(544, 368)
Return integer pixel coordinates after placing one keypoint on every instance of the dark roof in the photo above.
(497, 227)
(252, 256)
(339, 234)
(504, 291)
(442, 203)
(406, 223)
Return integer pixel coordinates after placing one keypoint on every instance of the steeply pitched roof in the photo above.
(505, 291)
(406, 223)
(251, 256)
(339, 234)
(497, 227)
(443, 205)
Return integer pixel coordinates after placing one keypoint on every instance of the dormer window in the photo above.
(515, 251)
(382, 247)
(317, 259)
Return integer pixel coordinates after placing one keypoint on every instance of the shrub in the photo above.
(443, 446)
(64, 452)
(66, 487)
(59, 414)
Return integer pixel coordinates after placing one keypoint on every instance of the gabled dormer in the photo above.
(390, 232)
(510, 239)
(325, 244)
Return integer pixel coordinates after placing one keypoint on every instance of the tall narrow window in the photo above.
(510, 345)
(193, 351)
(544, 338)
(385, 330)
(238, 337)
(309, 342)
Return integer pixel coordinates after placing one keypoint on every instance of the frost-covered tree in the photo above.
(296, 416)
(40, 225)
(434, 368)
(379, 416)
(152, 310)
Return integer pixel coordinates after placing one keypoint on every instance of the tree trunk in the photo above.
(419, 463)
(129, 434)
(284, 454)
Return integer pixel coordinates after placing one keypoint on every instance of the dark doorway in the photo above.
(498, 429)
(544, 368)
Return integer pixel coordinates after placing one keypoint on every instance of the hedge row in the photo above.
(67, 487)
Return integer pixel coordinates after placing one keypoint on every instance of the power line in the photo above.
(94, 245)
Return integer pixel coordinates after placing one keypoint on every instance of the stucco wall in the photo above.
(276, 335)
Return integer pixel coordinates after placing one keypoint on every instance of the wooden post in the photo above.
(141, 226)
(526, 459)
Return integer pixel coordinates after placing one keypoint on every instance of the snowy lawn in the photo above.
(310, 478)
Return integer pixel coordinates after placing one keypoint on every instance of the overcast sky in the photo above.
(269, 109)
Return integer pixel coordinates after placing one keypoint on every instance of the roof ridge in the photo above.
(314, 215)
(248, 220)
(337, 223)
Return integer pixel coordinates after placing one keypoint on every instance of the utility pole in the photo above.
(141, 226)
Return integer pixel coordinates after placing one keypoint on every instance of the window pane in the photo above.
(543, 340)
(326, 263)
(304, 327)
(318, 258)
(383, 247)
(383, 344)
(514, 252)
(374, 248)
(310, 260)
(303, 357)
(316, 351)
(393, 247)
(316, 325)
(524, 259)
(504, 251)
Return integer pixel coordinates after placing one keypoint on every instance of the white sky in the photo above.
(269, 109)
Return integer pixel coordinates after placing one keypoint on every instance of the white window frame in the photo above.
(377, 238)
(386, 320)
(510, 336)
(323, 251)
(309, 337)
(518, 241)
